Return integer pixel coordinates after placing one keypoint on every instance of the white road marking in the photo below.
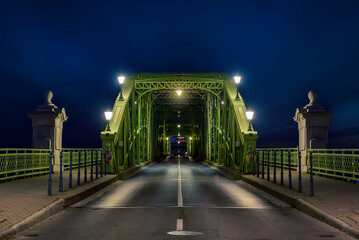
(179, 225)
(180, 198)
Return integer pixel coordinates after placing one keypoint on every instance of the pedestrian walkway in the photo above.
(25, 202)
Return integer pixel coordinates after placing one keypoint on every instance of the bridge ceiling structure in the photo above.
(206, 114)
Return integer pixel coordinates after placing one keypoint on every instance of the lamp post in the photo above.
(108, 116)
(237, 80)
(121, 80)
(249, 115)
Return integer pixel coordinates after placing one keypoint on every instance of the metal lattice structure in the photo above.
(211, 120)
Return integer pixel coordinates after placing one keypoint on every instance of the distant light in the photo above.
(178, 142)
(179, 92)
(190, 138)
(121, 79)
(135, 102)
(237, 79)
(178, 125)
(166, 138)
(222, 102)
(179, 134)
(108, 116)
(249, 115)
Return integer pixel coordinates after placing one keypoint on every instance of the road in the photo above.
(180, 199)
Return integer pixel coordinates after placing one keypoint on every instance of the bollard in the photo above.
(49, 186)
(85, 167)
(61, 188)
(70, 172)
(263, 164)
(289, 171)
(300, 172)
(311, 190)
(102, 164)
(268, 170)
(78, 169)
(281, 168)
(96, 164)
(91, 177)
(275, 165)
(257, 164)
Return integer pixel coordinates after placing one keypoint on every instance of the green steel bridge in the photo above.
(208, 121)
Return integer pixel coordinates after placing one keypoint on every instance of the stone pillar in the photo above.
(47, 123)
(313, 124)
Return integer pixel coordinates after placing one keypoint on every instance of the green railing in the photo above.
(21, 163)
(274, 156)
(340, 163)
(92, 155)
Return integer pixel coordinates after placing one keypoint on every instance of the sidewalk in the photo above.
(335, 202)
(25, 202)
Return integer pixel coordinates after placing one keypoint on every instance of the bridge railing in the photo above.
(81, 157)
(338, 163)
(275, 156)
(18, 163)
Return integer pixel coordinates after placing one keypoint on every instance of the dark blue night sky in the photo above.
(282, 49)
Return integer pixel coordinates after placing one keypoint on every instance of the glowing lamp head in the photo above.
(237, 79)
(179, 92)
(190, 138)
(178, 125)
(121, 79)
(166, 138)
(249, 115)
(108, 116)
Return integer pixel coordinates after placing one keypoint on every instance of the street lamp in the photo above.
(121, 80)
(108, 116)
(249, 115)
(178, 125)
(179, 92)
(237, 80)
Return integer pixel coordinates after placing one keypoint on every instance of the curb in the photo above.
(296, 202)
(34, 218)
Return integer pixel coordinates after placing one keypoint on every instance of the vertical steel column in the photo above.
(70, 171)
(49, 186)
(275, 166)
(268, 170)
(299, 172)
(311, 188)
(281, 168)
(61, 188)
(289, 171)
(79, 169)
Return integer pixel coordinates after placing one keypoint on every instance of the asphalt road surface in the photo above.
(180, 199)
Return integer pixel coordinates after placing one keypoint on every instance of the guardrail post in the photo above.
(70, 173)
(268, 170)
(79, 169)
(257, 164)
(253, 163)
(311, 188)
(263, 164)
(97, 164)
(275, 167)
(49, 186)
(61, 188)
(281, 168)
(91, 177)
(300, 172)
(289, 171)
(85, 167)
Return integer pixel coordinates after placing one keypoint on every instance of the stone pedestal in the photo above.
(47, 125)
(313, 124)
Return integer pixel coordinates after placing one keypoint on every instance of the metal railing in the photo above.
(87, 156)
(18, 163)
(338, 163)
(274, 156)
